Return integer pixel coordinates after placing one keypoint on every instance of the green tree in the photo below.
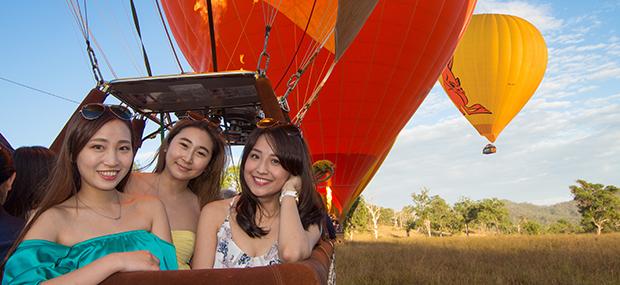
(410, 225)
(493, 214)
(421, 203)
(443, 218)
(468, 210)
(432, 213)
(598, 205)
(358, 218)
(532, 228)
(231, 178)
(387, 217)
(407, 218)
(561, 226)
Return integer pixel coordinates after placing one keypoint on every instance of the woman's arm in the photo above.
(211, 217)
(102, 268)
(294, 243)
(160, 225)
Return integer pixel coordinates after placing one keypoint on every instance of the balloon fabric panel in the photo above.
(377, 86)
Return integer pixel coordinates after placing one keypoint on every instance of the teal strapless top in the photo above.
(35, 260)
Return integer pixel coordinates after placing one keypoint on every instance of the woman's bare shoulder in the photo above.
(51, 222)
(216, 211)
(140, 183)
(140, 201)
(218, 204)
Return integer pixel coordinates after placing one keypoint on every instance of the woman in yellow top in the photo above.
(190, 164)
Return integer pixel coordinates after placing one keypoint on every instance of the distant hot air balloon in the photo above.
(374, 87)
(497, 66)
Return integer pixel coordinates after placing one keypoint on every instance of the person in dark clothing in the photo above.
(9, 226)
(32, 165)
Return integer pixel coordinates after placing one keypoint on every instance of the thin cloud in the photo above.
(539, 15)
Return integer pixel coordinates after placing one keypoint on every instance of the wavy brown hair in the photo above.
(207, 185)
(292, 151)
(64, 180)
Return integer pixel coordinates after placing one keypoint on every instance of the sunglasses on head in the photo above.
(94, 111)
(290, 129)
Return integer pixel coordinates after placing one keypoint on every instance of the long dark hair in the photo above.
(33, 165)
(292, 151)
(65, 180)
(6, 165)
(6, 168)
(207, 185)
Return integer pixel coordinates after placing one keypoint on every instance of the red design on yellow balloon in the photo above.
(457, 93)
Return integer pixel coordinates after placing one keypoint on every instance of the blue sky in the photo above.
(570, 129)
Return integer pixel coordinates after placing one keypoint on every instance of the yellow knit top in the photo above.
(183, 241)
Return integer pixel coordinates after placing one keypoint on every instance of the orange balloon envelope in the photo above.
(374, 87)
(497, 66)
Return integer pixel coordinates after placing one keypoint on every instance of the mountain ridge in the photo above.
(545, 215)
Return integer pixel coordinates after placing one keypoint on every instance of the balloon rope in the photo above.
(274, 13)
(294, 80)
(311, 53)
(302, 112)
(241, 34)
(270, 12)
(83, 24)
(269, 20)
(319, 76)
(318, 106)
(105, 58)
(328, 16)
(163, 23)
(212, 35)
(136, 22)
(298, 46)
(73, 7)
(125, 43)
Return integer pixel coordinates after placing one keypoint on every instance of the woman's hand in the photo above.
(141, 260)
(294, 242)
(292, 184)
(100, 269)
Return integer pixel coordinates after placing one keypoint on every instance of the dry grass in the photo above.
(547, 259)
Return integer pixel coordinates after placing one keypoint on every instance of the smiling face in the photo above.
(188, 154)
(263, 172)
(106, 158)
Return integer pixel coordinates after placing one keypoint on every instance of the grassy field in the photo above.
(515, 259)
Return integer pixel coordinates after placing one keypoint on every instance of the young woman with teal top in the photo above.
(85, 230)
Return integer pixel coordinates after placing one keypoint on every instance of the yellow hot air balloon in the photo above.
(497, 66)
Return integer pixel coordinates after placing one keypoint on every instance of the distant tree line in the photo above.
(598, 205)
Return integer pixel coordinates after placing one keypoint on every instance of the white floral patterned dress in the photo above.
(229, 255)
